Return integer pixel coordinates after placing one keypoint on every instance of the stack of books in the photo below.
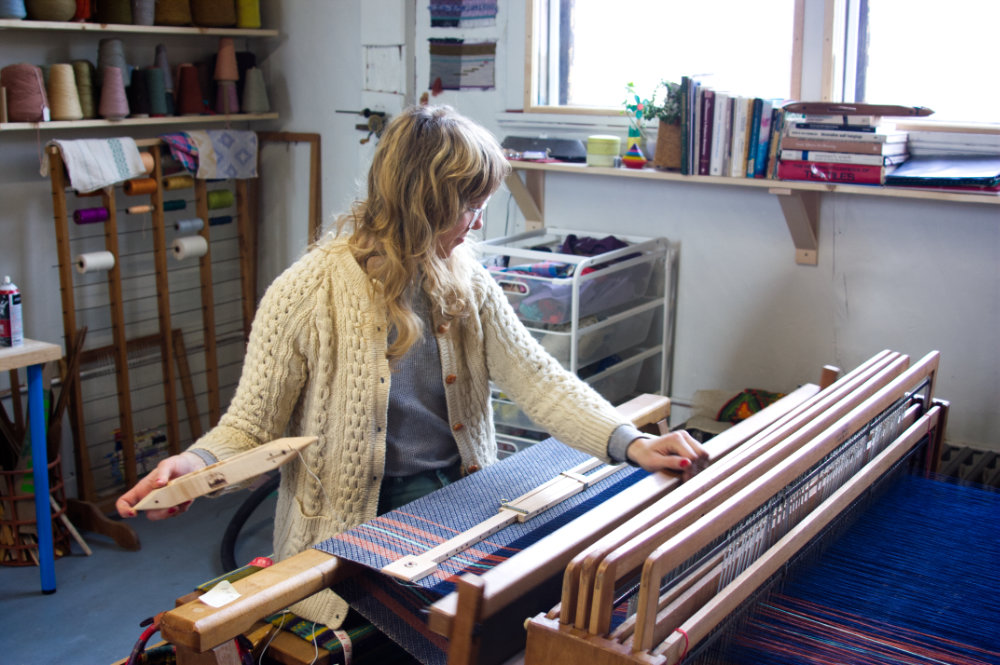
(841, 149)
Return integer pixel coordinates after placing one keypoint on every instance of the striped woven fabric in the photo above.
(398, 608)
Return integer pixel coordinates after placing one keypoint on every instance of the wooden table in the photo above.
(33, 355)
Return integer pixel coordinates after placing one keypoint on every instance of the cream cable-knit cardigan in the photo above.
(316, 365)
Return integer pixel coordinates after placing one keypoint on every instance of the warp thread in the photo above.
(26, 98)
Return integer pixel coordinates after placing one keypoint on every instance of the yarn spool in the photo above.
(220, 220)
(114, 11)
(140, 209)
(213, 13)
(226, 100)
(174, 204)
(64, 100)
(189, 225)
(83, 71)
(51, 10)
(138, 95)
(248, 14)
(160, 62)
(187, 247)
(189, 97)
(245, 60)
(114, 103)
(91, 215)
(26, 98)
(83, 10)
(178, 182)
(173, 12)
(226, 68)
(255, 93)
(137, 186)
(143, 12)
(13, 9)
(220, 198)
(156, 91)
(111, 53)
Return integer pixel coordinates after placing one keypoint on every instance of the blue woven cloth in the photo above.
(399, 608)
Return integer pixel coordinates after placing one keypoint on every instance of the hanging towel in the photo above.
(93, 164)
(183, 149)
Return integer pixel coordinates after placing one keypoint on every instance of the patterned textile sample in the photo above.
(456, 65)
(462, 13)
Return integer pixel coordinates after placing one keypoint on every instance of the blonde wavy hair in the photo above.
(430, 165)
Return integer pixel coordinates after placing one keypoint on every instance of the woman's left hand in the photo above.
(676, 451)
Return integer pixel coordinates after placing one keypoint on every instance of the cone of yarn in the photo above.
(83, 72)
(173, 12)
(247, 13)
(143, 12)
(206, 69)
(213, 13)
(64, 100)
(226, 68)
(160, 60)
(244, 61)
(138, 95)
(114, 103)
(12, 9)
(153, 76)
(26, 98)
(188, 93)
(114, 11)
(254, 93)
(51, 10)
(226, 101)
(111, 53)
(83, 10)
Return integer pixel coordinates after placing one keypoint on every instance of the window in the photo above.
(938, 55)
(588, 50)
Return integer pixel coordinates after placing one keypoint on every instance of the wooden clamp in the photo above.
(568, 483)
(225, 473)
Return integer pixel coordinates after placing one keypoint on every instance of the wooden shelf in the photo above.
(25, 24)
(799, 199)
(133, 122)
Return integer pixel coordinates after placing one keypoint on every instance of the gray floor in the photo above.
(93, 617)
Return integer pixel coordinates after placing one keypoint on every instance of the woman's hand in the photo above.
(676, 451)
(165, 471)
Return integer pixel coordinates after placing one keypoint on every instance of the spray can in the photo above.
(11, 324)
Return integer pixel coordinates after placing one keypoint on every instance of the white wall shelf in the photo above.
(134, 122)
(799, 199)
(19, 24)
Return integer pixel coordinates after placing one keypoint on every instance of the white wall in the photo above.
(907, 275)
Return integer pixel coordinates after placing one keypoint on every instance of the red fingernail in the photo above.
(685, 463)
(173, 511)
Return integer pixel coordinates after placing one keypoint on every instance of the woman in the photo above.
(382, 341)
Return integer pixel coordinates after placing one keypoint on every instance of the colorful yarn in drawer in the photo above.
(90, 215)
(138, 186)
(178, 182)
(220, 198)
(175, 204)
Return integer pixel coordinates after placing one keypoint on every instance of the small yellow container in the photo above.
(602, 150)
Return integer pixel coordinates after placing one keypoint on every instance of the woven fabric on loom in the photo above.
(398, 608)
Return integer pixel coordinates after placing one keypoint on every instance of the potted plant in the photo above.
(664, 104)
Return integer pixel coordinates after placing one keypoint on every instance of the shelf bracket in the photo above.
(801, 210)
(530, 197)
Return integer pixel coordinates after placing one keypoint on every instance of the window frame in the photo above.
(814, 60)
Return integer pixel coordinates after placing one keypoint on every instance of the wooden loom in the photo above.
(645, 527)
